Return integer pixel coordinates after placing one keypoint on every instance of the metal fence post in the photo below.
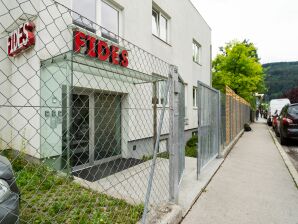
(173, 136)
(199, 148)
(219, 130)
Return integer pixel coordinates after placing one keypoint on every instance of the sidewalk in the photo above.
(252, 186)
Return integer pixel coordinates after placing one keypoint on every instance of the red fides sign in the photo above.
(99, 49)
(21, 39)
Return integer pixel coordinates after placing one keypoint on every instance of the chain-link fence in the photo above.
(92, 124)
(235, 112)
(81, 110)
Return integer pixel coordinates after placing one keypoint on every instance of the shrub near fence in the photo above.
(235, 113)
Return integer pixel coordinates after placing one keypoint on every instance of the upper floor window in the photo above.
(194, 97)
(196, 52)
(109, 21)
(160, 25)
(84, 13)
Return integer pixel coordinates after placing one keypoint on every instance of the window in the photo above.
(159, 25)
(194, 96)
(155, 23)
(161, 87)
(196, 52)
(109, 21)
(84, 13)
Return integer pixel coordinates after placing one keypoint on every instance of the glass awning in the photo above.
(81, 63)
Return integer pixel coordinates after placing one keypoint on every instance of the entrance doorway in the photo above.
(96, 128)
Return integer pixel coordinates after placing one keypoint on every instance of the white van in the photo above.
(275, 107)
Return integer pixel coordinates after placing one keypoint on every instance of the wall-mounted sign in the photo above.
(21, 39)
(99, 49)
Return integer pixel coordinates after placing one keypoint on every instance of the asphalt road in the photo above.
(292, 150)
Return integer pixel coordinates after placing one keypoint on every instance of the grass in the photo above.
(49, 198)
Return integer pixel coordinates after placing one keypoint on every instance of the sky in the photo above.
(272, 25)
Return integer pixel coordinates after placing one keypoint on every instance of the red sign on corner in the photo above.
(21, 39)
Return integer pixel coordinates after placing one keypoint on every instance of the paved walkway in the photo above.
(252, 186)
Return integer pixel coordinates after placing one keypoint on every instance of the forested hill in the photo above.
(281, 77)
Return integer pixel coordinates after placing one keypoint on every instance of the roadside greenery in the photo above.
(49, 198)
(238, 66)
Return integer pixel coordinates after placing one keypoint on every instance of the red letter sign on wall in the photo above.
(99, 49)
(21, 39)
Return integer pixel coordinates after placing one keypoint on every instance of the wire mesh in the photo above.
(78, 115)
(209, 126)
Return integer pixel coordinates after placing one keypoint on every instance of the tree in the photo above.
(292, 95)
(239, 67)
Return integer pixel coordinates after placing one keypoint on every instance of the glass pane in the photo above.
(55, 85)
(86, 8)
(162, 90)
(107, 125)
(154, 23)
(79, 133)
(163, 28)
(293, 110)
(198, 54)
(195, 52)
(194, 97)
(109, 18)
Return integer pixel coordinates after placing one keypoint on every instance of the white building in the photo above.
(42, 86)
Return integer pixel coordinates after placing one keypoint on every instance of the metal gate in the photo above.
(208, 101)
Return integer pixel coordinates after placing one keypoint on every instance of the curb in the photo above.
(229, 148)
(293, 172)
(168, 213)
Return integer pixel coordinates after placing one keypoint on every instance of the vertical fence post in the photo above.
(200, 96)
(219, 129)
(153, 164)
(173, 136)
(154, 101)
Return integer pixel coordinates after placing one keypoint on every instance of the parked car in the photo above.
(287, 123)
(275, 106)
(9, 193)
(274, 120)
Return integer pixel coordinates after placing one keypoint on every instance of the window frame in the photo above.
(82, 17)
(194, 97)
(196, 52)
(107, 36)
(160, 93)
(160, 14)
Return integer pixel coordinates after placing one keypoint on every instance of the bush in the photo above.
(191, 147)
(191, 151)
(193, 141)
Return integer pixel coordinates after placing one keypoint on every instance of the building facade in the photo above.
(76, 86)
